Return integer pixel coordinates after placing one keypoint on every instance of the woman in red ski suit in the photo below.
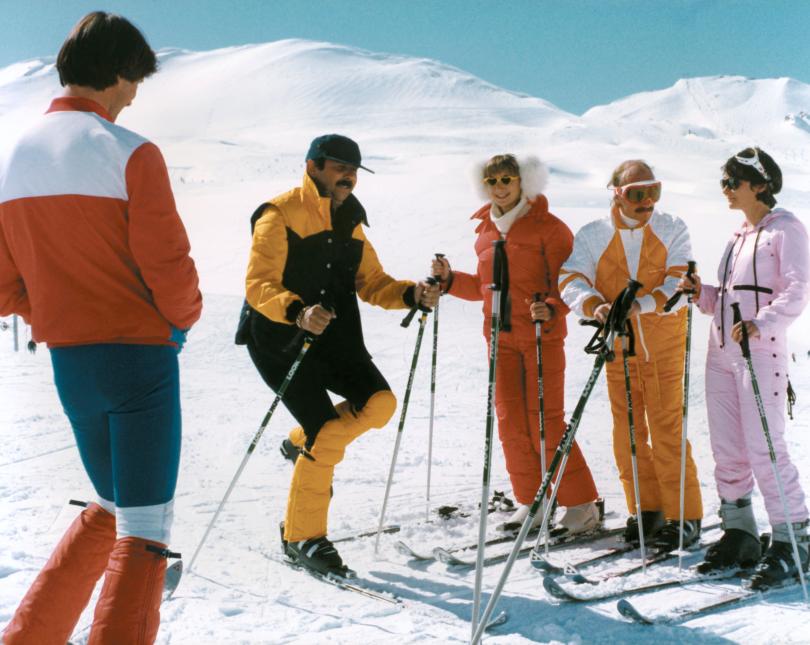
(537, 243)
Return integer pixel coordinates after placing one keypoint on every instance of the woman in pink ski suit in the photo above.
(766, 269)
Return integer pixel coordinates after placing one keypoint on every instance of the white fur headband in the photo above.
(533, 177)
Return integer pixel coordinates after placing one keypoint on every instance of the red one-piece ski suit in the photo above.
(536, 246)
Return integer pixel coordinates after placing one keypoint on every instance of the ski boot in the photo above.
(515, 521)
(778, 563)
(652, 522)
(318, 555)
(740, 544)
(668, 536)
(582, 518)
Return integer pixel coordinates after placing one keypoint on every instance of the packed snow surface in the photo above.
(234, 125)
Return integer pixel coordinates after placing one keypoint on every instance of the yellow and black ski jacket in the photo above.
(303, 254)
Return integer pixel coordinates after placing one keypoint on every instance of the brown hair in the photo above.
(502, 163)
(619, 171)
(100, 48)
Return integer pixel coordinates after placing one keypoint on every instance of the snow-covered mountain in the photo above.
(234, 125)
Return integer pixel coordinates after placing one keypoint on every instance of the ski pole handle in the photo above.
(691, 265)
(746, 349)
(439, 256)
(627, 301)
(539, 297)
(406, 321)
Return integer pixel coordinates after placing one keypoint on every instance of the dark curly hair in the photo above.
(740, 170)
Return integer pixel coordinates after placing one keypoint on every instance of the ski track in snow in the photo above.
(238, 145)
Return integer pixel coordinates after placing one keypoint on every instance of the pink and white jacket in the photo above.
(765, 268)
(92, 249)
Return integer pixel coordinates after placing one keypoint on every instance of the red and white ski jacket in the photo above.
(92, 249)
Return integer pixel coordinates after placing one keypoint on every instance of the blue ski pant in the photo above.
(123, 402)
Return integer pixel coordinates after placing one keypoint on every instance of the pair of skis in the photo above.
(712, 592)
(454, 556)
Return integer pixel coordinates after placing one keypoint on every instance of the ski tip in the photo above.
(553, 587)
(172, 579)
(500, 619)
(627, 610)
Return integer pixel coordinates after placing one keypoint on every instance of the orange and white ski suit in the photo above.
(606, 255)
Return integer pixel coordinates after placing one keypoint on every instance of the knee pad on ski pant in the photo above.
(50, 610)
(147, 522)
(128, 609)
(377, 411)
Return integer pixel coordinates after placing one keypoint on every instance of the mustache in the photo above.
(345, 183)
(644, 210)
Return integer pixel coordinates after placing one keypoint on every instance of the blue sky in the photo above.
(574, 53)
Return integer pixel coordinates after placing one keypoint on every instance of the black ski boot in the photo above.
(778, 565)
(740, 544)
(668, 538)
(736, 548)
(652, 521)
(316, 554)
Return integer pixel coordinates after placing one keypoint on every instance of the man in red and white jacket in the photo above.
(95, 257)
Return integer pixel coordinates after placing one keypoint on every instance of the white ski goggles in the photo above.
(755, 163)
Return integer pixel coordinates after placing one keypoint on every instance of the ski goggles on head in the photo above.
(639, 191)
(755, 163)
(505, 180)
(732, 183)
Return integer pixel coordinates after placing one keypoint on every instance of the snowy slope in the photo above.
(234, 125)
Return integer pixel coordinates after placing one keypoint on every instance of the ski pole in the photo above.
(746, 352)
(621, 306)
(279, 394)
(542, 536)
(400, 428)
(538, 335)
(437, 278)
(686, 361)
(626, 353)
(500, 274)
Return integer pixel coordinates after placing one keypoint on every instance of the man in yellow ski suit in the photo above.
(309, 262)
(637, 241)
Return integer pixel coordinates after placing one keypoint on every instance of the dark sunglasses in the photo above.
(505, 180)
(732, 183)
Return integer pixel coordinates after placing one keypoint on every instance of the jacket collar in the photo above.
(539, 209)
(310, 197)
(746, 227)
(618, 222)
(77, 104)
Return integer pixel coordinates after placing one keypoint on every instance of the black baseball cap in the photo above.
(337, 148)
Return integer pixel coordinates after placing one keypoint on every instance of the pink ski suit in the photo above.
(765, 268)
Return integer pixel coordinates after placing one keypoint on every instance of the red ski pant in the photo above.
(517, 405)
(656, 387)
